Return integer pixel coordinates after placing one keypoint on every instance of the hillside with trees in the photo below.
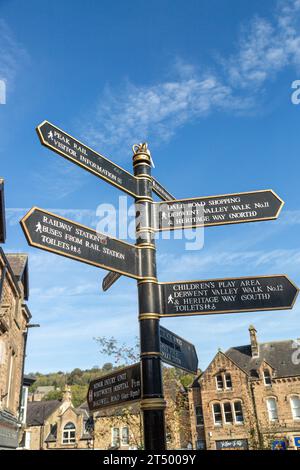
(79, 380)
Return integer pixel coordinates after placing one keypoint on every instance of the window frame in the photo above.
(123, 442)
(297, 397)
(217, 384)
(231, 412)
(113, 443)
(225, 380)
(217, 423)
(267, 376)
(274, 400)
(240, 423)
(69, 439)
(199, 415)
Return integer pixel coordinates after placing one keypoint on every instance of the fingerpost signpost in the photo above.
(53, 233)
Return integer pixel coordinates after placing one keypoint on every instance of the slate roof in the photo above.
(19, 265)
(278, 354)
(38, 411)
(28, 380)
(17, 262)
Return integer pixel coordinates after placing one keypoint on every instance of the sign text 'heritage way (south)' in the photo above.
(242, 294)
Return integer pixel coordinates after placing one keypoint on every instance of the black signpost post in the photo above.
(158, 189)
(143, 381)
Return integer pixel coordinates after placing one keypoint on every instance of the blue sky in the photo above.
(208, 85)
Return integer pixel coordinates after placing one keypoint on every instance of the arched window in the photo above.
(69, 434)
(272, 409)
(295, 405)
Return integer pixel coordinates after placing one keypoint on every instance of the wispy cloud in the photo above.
(12, 56)
(266, 47)
(192, 264)
(135, 112)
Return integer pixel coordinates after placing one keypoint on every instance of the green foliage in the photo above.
(53, 395)
(79, 393)
(77, 379)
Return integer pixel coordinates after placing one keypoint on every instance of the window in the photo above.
(227, 412)
(53, 430)
(115, 442)
(27, 440)
(238, 412)
(219, 381)
(272, 409)
(69, 434)
(23, 406)
(295, 405)
(10, 386)
(217, 413)
(228, 381)
(199, 416)
(267, 377)
(125, 436)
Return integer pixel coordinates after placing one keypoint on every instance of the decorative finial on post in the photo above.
(141, 153)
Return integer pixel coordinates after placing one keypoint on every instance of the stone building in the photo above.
(56, 424)
(121, 427)
(14, 319)
(248, 397)
(40, 393)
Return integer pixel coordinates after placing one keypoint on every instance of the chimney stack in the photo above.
(253, 341)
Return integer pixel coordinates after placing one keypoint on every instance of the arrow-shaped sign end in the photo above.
(23, 224)
(281, 201)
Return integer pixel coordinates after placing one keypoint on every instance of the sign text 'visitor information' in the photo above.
(64, 237)
(242, 294)
(73, 150)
